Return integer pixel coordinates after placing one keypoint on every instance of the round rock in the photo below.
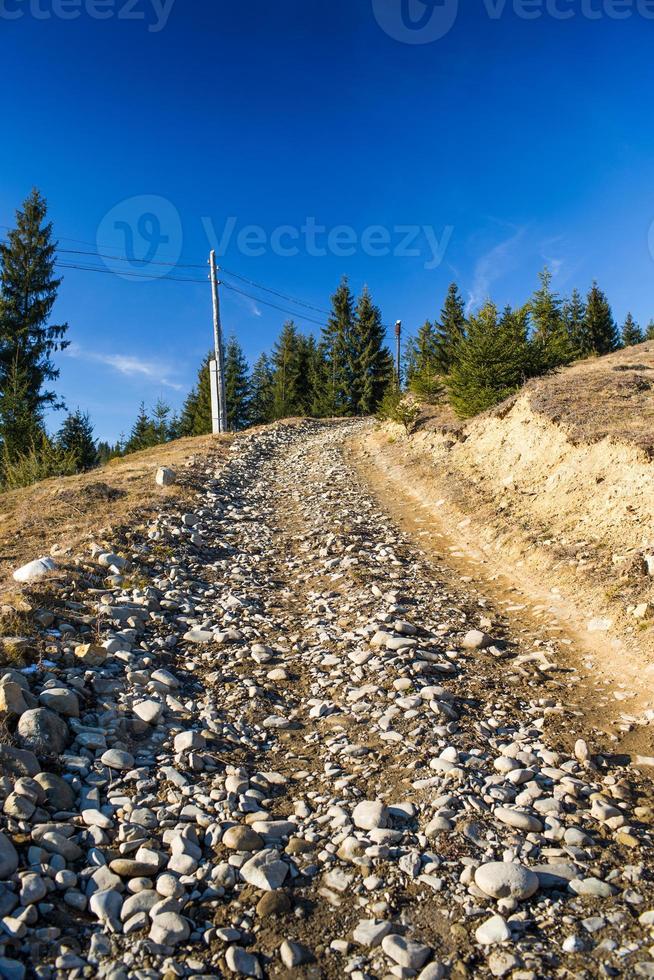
(500, 879)
(242, 839)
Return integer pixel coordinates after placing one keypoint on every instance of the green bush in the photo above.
(399, 408)
(42, 460)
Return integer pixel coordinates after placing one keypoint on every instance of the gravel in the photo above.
(266, 735)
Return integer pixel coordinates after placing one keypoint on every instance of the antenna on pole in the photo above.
(398, 352)
(217, 367)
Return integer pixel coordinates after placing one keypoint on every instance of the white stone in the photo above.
(35, 570)
(493, 930)
(370, 815)
(500, 879)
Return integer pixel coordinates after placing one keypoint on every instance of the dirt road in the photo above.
(310, 751)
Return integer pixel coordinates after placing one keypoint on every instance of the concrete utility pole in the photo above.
(398, 354)
(217, 366)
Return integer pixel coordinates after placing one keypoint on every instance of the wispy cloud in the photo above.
(128, 365)
(494, 264)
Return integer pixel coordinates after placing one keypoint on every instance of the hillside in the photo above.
(56, 516)
(548, 499)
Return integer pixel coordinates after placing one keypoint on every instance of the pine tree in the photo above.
(237, 386)
(551, 342)
(28, 288)
(106, 451)
(308, 375)
(321, 382)
(424, 364)
(574, 318)
(649, 332)
(196, 419)
(491, 362)
(600, 326)
(143, 434)
(452, 327)
(161, 420)
(76, 436)
(286, 364)
(336, 342)
(261, 386)
(631, 332)
(371, 364)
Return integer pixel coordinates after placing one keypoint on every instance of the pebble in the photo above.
(493, 930)
(405, 952)
(274, 733)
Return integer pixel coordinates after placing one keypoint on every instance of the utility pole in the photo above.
(398, 355)
(217, 366)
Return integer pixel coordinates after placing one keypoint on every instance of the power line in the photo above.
(257, 299)
(141, 275)
(133, 275)
(275, 292)
(154, 278)
(123, 258)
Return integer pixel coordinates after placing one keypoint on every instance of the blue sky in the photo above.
(514, 139)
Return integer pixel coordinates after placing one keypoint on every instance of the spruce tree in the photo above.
(237, 386)
(550, 339)
(309, 357)
(261, 385)
(321, 382)
(371, 363)
(424, 364)
(490, 363)
(106, 451)
(600, 326)
(574, 317)
(286, 364)
(143, 434)
(195, 418)
(649, 331)
(451, 328)
(28, 287)
(336, 341)
(631, 332)
(76, 436)
(161, 420)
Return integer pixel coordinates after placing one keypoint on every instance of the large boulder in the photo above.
(165, 477)
(43, 731)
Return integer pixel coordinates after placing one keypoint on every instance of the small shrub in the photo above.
(401, 409)
(42, 460)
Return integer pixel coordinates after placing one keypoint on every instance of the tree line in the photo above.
(476, 360)
(345, 371)
(472, 359)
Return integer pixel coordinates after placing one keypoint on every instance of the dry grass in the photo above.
(66, 512)
(598, 398)
(602, 397)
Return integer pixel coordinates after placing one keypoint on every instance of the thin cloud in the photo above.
(128, 365)
(494, 264)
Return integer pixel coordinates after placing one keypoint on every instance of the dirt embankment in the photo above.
(551, 493)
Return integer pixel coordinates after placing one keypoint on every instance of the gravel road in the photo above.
(272, 738)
